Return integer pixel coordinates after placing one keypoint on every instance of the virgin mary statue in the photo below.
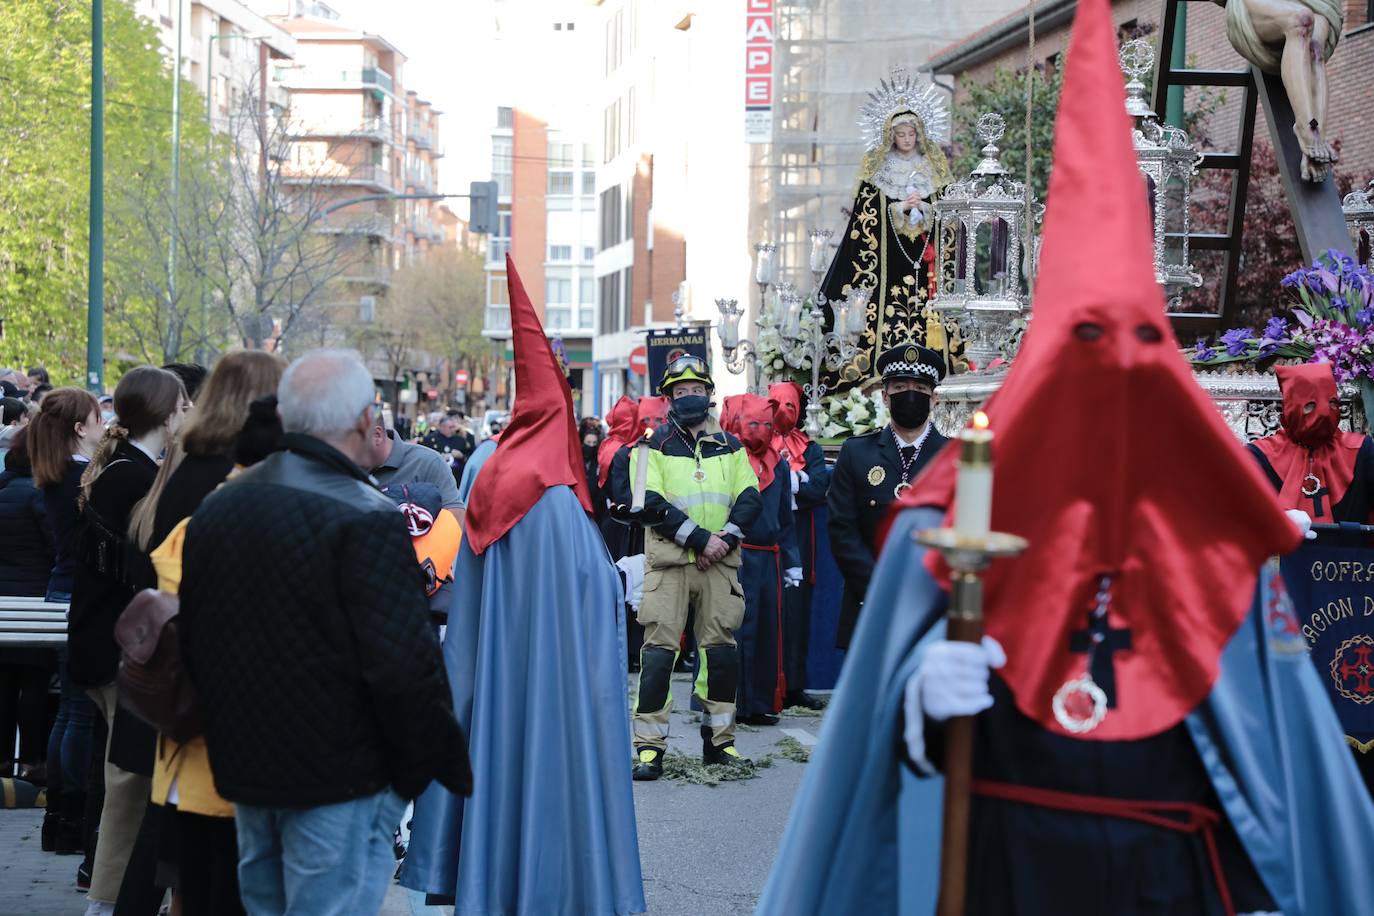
(886, 246)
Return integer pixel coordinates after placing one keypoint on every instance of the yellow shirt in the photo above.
(188, 765)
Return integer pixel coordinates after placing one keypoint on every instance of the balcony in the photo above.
(327, 78)
(374, 273)
(336, 174)
(422, 137)
(373, 128)
(497, 322)
(375, 225)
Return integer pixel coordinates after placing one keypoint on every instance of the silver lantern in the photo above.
(1168, 160)
(980, 225)
(1359, 219)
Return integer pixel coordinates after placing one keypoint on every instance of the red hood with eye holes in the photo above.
(1311, 443)
(1108, 456)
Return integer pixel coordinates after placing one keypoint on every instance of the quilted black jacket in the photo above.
(307, 636)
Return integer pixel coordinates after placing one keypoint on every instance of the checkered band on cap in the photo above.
(902, 368)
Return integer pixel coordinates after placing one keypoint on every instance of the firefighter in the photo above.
(700, 482)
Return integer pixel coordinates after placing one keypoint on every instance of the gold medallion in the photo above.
(911, 355)
(876, 475)
(698, 475)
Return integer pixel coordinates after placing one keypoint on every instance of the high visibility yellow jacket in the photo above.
(704, 487)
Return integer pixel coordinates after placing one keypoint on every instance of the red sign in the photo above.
(460, 378)
(758, 70)
(639, 360)
(432, 394)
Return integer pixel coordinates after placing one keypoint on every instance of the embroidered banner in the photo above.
(1333, 595)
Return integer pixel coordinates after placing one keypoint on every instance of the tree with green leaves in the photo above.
(45, 89)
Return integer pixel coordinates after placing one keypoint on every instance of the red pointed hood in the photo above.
(539, 448)
(1311, 443)
(737, 417)
(1109, 457)
(789, 438)
(624, 423)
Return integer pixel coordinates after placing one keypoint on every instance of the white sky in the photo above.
(450, 51)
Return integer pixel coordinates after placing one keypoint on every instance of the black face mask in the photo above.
(588, 452)
(690, 409)
(910, 408)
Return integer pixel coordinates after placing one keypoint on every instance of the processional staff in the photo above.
(968, 548)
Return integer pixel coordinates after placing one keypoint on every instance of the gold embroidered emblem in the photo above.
(910, 355)
(876, 475)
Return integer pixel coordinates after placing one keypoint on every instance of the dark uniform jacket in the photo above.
(307, 635)
(862, 485)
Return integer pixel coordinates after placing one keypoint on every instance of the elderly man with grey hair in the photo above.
(306, 631)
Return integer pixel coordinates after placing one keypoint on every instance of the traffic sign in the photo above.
(460, 378)
(639, 360)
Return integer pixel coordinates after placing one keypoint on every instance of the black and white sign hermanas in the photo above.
(666, 344)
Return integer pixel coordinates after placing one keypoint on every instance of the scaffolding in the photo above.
(829, 54)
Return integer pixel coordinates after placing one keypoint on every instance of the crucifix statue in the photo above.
(1293, 38)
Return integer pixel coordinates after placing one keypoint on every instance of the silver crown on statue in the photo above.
(902, 92)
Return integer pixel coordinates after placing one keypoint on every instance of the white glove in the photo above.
(796, 482)
(951, 681)
(791, 577)
(633, 568)
(1303, 521)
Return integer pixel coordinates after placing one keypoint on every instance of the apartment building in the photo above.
(673, 178)
(544, 156)
(228, 51)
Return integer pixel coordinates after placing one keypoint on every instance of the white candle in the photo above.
(641, 473)
(973, 496)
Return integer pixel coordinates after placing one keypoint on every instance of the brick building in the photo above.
(1003, 44)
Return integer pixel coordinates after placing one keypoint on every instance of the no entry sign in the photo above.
(639, 360)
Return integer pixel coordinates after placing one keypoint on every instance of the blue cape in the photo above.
(535, 658)
(864, 833)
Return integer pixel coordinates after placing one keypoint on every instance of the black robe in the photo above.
(897, 266)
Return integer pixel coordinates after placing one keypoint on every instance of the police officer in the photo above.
(700, 482)
(875, 468)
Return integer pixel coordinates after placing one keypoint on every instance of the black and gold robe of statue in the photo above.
(881, 250)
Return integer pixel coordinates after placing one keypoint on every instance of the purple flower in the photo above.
(1328, 280)
(1364, 316)
(1314, 281)
(1276, 329)
(1203, 353)
(1237, 341)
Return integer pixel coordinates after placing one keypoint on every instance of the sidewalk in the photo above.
(37, 883)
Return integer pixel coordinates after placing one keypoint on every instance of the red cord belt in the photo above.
(1199, 818)
(767, 548)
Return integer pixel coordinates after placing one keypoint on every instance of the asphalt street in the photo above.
(705, 850)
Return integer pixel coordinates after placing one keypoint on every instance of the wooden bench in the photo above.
(32, 623)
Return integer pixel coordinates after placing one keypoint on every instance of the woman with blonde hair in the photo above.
(233, 423)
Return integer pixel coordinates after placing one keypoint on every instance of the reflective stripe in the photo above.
(719, 720)
(645, 727)
(732, 528)
(684, 531)
(701, 499)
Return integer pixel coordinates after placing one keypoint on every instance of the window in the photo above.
(587, 160)
(610, 304)
(586, 300)
(558, 26)
(589, 178)
(630, 118)
(498, 304)
(560, 252)
(557, 303)
(588, 252)
(498, 244)
(572, 26)
(626, 294)
(505, 117)
(501, 164)
(610, 218)
(560, 168)
(611, 131)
